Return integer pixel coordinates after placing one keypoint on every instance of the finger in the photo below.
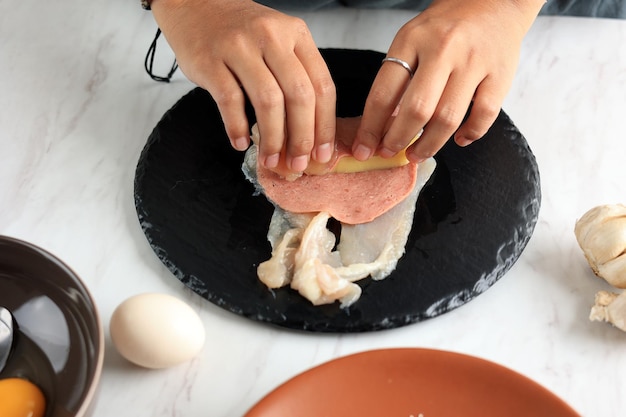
(325, 100)
(418, 106)
(230, 100)
(485, 109)
(382, 100)
(447, 117)
(268, 101)
(299, 97)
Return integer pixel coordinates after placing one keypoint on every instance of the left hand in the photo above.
(462, 51)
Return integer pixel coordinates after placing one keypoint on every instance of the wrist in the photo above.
(529, 8)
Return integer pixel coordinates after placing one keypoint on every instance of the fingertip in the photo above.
(386, 153)
(416, 159)
(271, 161)
(462, 141)
(365, 143)
(241, 143)
(298, 163)
(469, 133)
(323, 153)
(362, 152)
(420, 151)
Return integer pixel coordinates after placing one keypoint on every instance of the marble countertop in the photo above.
(76, 108)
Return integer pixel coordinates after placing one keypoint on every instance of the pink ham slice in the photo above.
(351, 198)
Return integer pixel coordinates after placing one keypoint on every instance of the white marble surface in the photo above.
(76, 108)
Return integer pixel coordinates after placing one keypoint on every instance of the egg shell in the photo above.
(156, 330)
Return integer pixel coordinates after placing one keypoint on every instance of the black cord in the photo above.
(149, 62)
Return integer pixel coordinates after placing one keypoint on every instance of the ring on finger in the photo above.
(404, 64)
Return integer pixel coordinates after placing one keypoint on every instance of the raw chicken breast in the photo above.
(306, 257)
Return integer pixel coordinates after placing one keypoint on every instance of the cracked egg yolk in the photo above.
(21, 398)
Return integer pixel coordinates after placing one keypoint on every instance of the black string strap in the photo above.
(149, 62)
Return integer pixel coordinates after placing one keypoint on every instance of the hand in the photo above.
(226, 45)
(462, 51)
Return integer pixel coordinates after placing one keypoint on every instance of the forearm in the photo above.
(165, 10)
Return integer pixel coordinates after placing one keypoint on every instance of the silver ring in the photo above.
(401, 62)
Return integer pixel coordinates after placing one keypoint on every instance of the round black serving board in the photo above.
(205, 223)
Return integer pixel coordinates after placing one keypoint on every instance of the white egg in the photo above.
(156, 330)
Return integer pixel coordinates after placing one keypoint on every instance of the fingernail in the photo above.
(299, 163)
(272, 161)
(418, 159)
(323, 153)
(362, 152)
(386, 152)
(463, 141)
(241, 144)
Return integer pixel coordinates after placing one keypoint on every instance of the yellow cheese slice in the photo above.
(349, 164)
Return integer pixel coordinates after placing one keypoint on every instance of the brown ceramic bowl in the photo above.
(60, 342)
(411, 382)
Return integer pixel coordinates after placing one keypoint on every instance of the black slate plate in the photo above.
(204, 222)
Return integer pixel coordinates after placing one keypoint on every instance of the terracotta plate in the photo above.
(411, 382)
(207, 225)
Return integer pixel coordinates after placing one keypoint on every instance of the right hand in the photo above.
(226, 45)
